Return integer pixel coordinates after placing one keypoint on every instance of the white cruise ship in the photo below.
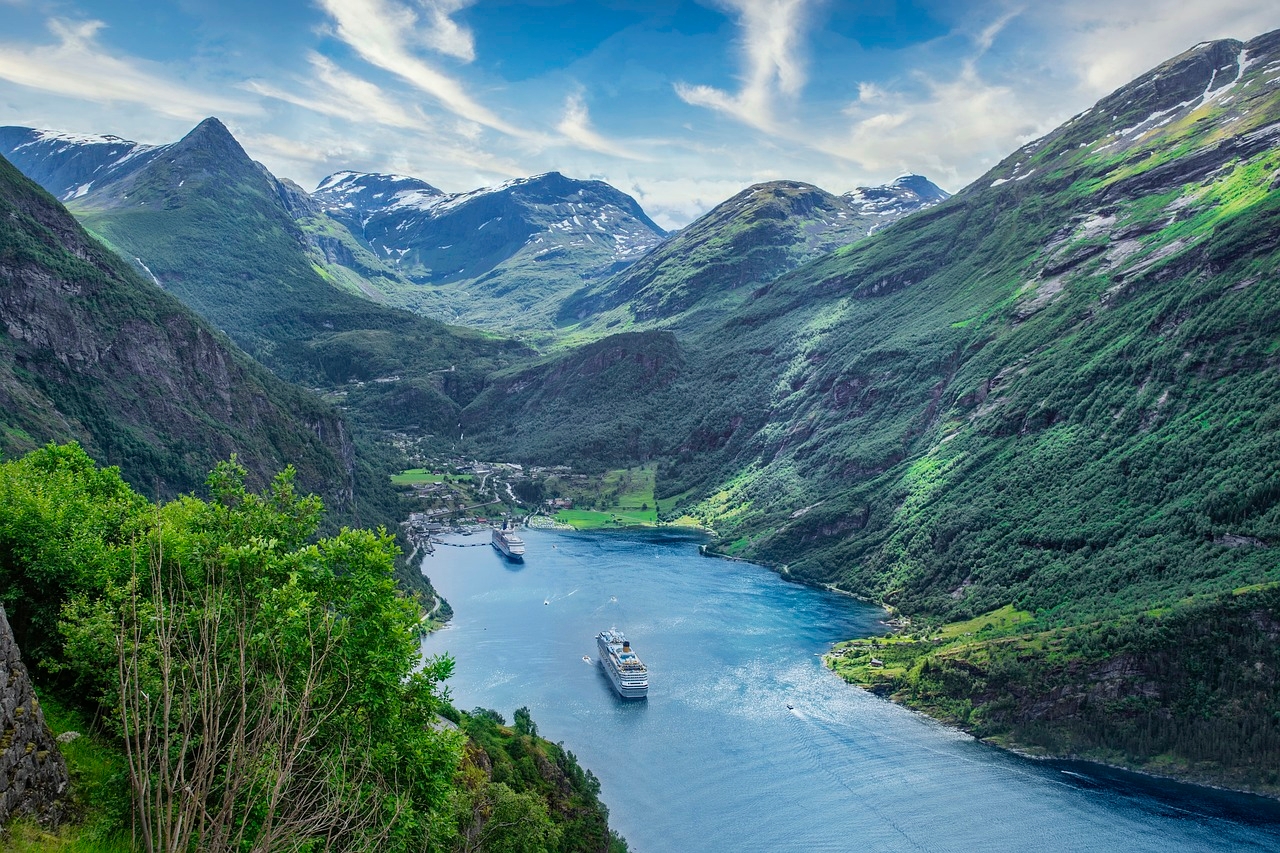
(627, 673)
(511, 545)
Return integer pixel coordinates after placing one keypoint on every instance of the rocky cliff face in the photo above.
(95, 353)
(33, 776)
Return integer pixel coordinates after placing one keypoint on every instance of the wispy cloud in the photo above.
(445, 35)
(772, 34)
(327, 150)
(944, 122)
(575, 126)
(943, 130)
(385, 34)
(339, 94)
(1106, 44)
(79, 67)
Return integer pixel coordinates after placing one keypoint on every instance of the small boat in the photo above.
(790, 707)
(586, 658)
(546, 601)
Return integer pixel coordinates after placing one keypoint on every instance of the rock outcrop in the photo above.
(33, 775)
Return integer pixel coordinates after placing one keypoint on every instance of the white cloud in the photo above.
(336, 93)
(78, 67)
(675, 201)
(1107, 44)
(575, 125)
(443, 34)
(950, 130)
(384, 33)
(771, 42)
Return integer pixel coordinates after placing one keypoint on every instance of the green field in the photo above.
(620, 498)
(418, 476)
(589, 519)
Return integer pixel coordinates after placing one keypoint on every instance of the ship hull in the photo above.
(506, 552)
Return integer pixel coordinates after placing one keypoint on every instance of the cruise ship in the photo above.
(511, 545)
(630, 677)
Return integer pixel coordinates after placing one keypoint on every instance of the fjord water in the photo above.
(714, 760)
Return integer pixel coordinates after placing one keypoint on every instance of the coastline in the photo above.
(1036, 754)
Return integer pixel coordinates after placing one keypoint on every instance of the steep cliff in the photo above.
(95, 353)
(33, 776)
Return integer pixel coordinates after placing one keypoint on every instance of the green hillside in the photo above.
(95, 353)
(215, 229)
(1057, 390)
(752, 238)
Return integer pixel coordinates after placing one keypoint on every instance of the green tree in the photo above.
(524, 723)
(66, 526)
(269, 692)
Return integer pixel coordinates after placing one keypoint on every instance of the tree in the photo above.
(269, 692)
(524, 723)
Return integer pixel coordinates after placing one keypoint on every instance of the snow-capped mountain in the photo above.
(907, 194)
(69, 165)
(357, 196)
(502, 256)
(439, 237)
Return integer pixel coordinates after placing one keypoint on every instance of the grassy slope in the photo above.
(1057, 391)
(750, 239)
(1188, 691)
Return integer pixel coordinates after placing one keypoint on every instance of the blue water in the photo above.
(713, 760)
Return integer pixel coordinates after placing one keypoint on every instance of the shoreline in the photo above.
(1141, 771)
(1026, 752)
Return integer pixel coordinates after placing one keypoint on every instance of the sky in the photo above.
(680, 103)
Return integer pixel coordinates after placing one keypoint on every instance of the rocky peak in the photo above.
(907, 194)
(210, 134)
(366, 193)
(209, 150)
(924, 189)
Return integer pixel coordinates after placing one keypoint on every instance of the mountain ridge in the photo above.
(497, 257)
(758, 234)
(1053, 394)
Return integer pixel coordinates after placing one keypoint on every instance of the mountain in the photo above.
(69, 164)
(907, 194)
(1053, 395)
(762, 232)
(96, 354)
(497, 257)
(218, 231)
(1062, 330)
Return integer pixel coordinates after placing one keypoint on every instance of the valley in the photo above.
(1037, 419)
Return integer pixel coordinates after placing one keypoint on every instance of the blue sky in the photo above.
(680, 103)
